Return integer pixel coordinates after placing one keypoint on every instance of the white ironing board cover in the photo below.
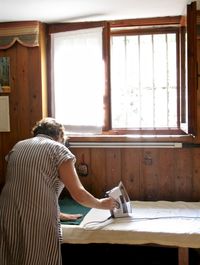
(161, 222)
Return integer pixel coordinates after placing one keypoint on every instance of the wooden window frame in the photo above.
(167, 24)
(114, 135)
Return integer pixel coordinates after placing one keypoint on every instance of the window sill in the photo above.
(132, 138)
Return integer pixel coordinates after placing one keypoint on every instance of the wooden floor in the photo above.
(112, 254)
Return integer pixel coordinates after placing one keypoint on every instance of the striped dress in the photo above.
(30, 231)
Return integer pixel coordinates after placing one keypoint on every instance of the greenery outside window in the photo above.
(144, 83)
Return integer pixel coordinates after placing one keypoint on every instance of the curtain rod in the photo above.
(124, 145)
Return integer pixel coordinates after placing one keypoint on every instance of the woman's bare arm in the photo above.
(70, 178)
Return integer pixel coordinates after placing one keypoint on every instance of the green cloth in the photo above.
(68, 205)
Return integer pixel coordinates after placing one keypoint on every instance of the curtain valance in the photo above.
(26, 33)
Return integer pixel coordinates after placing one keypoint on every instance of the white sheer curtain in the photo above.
(78, 79)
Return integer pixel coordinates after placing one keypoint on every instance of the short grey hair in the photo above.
(48, 126)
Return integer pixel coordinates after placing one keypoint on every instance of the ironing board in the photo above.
(163, 223)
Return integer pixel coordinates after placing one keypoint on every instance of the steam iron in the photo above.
(120, 194)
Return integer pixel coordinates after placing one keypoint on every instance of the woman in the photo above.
(38, 169)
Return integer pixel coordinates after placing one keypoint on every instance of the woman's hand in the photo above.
(68, 217)
(109, 203)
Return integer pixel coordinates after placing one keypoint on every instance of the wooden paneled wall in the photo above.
(27, 96)
(148, 173)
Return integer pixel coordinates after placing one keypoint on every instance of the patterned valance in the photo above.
(26, 33)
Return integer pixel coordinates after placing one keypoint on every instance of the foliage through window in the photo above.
(144, 85)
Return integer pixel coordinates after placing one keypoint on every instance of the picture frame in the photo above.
(5, 74)
(4, 114)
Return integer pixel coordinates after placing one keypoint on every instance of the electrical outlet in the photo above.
(82, 170)
(148, 160)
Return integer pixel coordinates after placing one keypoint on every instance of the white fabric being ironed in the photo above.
(162, 222)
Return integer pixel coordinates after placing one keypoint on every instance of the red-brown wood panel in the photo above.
(113, 168)
(98, 171)
(35, 84)
(8, 139)
(23, 68)
(83, 157)
(25, 98)
(150, 174)
(131, 172)
(166, 160)
(183, 174)
(196, 175)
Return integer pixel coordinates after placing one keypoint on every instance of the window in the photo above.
(144, 85)
(78, 80)
(121, 79)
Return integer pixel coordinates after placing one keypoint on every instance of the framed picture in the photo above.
(4, 114)
(5, 74)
